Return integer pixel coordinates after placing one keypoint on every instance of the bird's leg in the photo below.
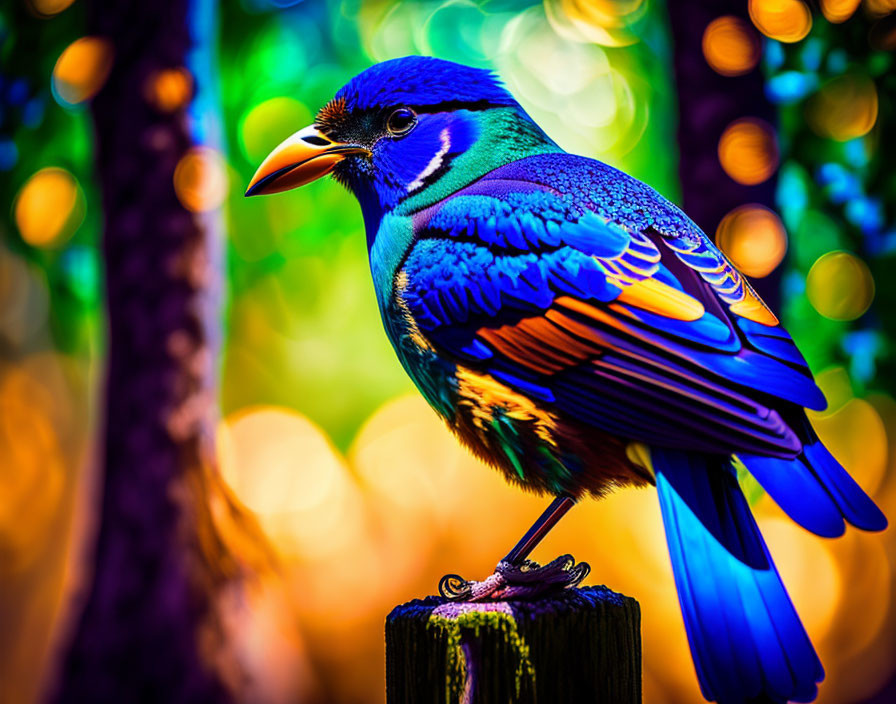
(517, 577)
(540, 529)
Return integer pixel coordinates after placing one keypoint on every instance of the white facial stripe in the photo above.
(434, 163)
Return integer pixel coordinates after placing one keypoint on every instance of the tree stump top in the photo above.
(575, 644)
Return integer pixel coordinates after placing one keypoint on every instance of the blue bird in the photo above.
(580, 333)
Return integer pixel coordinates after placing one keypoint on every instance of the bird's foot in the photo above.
(527, 580)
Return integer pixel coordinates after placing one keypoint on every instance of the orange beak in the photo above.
(300, 159)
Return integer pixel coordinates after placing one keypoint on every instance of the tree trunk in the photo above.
(148, 630)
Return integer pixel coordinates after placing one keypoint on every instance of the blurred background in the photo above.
(772, 121)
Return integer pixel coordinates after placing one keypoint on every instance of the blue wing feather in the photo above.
(565, 240)
(487, 259)
(773, 341)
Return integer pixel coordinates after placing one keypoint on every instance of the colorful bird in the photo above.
(580, 333)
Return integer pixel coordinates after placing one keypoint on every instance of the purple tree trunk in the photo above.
(707, 103)
(147, 630)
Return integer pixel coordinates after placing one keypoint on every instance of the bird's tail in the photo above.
(746, 638)
(814, 490)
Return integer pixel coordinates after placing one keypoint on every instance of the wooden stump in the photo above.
(577, 645)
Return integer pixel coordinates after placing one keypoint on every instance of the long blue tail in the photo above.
(746, 638)
(814, 490)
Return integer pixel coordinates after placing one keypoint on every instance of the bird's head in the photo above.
(405, 133)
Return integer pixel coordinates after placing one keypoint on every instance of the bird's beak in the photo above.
(300, 159)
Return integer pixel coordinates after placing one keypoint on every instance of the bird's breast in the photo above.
(526, 439)
(432, 374)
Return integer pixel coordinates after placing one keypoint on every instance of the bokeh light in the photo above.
(835, 383)
(49, 207)
(468, 43)
(9, 154)
(276, 58)
(784, 20)
(610, 23)
(80, 265)
(731, 46)
(270, 122)
(748, 151)
(592, 110)
(753, 238)
(837, 11)
(200, 179)
(48, 8)
(45, 423)
(82, 69)
(407, 430)
(879, 8)
(840, 286)
(32, 467)
(24, 300)
(858, 652)
(844, 108)
(389, 30)
(285, 469)
(855, 434)
(808, 569)
(169, 90)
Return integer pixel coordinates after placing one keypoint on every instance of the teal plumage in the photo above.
(580, 333)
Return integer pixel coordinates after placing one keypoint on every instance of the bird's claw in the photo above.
(455, 587)
(527, 580)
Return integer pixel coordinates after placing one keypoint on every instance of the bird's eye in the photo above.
(401, 122)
